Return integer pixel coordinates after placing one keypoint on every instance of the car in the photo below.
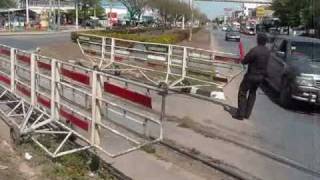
(233, 34)
(224, 28)
(251, 31)
(294, 69)
(93, 22)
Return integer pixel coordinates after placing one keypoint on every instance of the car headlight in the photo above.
(305, 81)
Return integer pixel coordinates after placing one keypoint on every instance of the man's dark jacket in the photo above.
(257, 60)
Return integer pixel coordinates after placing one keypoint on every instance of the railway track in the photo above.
(217, 165)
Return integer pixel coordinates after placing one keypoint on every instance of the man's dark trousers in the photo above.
(247, 94)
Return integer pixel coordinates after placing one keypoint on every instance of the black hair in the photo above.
(262, 39)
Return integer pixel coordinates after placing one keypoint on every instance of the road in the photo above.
(293, 133)
(31, 42)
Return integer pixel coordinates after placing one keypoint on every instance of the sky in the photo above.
(214, 9)
(211, 9)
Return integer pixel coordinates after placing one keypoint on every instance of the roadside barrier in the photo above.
(176, 67)
(41, 97)
(115, 106)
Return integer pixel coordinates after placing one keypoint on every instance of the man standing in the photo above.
(257, 61)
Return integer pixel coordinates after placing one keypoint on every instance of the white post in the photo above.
(55, 99)
(33, 79)
(183, 22)
(12, 69)
(27, 13)
(96, 108)
(113, 44)
(169, 63)
(103, 48)
(77, 14)
(184, 62)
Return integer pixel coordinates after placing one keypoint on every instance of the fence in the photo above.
(44, 97)
(116, 107)
(176, 67)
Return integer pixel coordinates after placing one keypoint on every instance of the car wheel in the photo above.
(227, 39)
(285, 94)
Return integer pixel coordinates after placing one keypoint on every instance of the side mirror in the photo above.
(281, 54)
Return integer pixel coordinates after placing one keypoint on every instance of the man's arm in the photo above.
(248, 58)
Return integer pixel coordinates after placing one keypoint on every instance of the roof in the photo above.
(11, 9)
(300, 39)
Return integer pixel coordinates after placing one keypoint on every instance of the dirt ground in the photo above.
(13, 166)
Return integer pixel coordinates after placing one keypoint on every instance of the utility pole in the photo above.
(27, 13)
(110, 14)
(192, 19)
(77, 14)
(9, 19)
(183, 19)
(59, 14)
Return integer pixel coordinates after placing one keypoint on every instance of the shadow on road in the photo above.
(297, 106)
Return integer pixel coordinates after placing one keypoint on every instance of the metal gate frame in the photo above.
(34, 113)
(103, 52)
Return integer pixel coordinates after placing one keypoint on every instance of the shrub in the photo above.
(134, 34)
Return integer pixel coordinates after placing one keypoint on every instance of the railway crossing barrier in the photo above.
(44, 98)
(176, 67)
(115, 106)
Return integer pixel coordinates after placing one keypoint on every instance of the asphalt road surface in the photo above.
(293, 133)
(31, 42)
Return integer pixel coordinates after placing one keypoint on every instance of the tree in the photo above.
(135, 7)
(295, 13)
(171, 10)
(88, 7)
(7, 3)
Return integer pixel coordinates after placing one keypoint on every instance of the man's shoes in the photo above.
(237, 117)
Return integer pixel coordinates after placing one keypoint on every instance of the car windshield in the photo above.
(306, 49)
(233, 29)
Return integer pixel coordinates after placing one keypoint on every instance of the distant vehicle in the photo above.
(249, 31)
(93, 22)
(224, 27)
(233, 34)
(294, 69)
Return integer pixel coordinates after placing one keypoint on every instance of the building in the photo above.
(40, 6)
(249, 9)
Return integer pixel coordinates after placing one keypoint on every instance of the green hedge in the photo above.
(137, 35)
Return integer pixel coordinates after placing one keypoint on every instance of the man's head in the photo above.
(262, 39)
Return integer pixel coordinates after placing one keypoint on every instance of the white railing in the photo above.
(178, 67)
(44, 96)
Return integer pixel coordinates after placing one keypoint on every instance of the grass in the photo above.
(74, 166)
(149, 149)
